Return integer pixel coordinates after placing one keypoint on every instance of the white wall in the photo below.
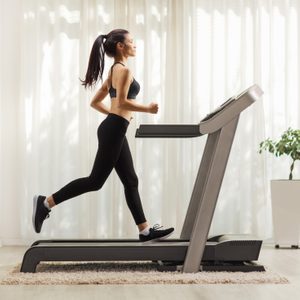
(9, 97)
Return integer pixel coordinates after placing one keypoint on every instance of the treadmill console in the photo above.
(215, 120)
(230, 110)
(222, 106)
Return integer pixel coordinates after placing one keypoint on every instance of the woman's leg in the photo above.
(110, 139)
(111, 134)
(125, 169)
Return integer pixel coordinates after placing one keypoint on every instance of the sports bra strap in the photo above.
(113, 66)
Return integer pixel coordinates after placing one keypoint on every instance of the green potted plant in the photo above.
(285, 193)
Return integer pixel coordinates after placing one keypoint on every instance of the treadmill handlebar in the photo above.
(164, 131)
(218, 118)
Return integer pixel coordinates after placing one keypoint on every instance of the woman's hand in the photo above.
(153, 108)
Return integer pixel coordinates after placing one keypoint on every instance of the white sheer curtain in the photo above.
(191, 57)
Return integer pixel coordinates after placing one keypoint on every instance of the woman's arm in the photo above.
(123, 87)
(98, 98)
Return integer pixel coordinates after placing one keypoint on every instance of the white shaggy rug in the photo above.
(74, 273)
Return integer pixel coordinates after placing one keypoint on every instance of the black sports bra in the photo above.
(133, 89)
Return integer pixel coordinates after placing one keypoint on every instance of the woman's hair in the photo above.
(96, 60)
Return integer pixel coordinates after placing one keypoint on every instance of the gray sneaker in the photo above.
(40, 212)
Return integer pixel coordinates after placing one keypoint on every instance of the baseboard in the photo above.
(16, 242)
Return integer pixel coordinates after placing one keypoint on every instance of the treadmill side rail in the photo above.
(168, 131)
(110, 251)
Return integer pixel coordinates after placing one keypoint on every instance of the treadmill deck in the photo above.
(169, 250)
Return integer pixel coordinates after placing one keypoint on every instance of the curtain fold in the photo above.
(191, 57)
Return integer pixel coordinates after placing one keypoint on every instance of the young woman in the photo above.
(113, 149)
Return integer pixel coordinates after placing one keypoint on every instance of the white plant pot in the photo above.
(285, 196)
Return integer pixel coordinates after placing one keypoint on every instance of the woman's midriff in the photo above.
(114, 109)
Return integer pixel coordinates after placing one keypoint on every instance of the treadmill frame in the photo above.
(220, 126)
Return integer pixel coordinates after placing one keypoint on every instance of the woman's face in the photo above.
(129, 48)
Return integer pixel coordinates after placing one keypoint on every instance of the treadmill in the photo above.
(194, 251)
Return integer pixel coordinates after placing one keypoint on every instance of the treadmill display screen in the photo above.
(221, 107)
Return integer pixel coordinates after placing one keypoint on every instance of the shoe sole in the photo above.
(158, 239)
(35, 200)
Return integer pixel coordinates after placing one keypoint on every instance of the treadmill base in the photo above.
(221, 253)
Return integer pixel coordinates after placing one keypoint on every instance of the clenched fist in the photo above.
(153, 108)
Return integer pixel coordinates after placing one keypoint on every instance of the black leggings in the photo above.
(113, 152)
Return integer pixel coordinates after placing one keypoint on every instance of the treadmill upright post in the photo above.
(206, 193)
(196, 197)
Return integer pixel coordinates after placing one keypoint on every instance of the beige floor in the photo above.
(284, 261)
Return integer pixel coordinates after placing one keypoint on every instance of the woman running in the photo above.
(113, 149)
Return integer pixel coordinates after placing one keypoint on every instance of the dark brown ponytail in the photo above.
(96, 60)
